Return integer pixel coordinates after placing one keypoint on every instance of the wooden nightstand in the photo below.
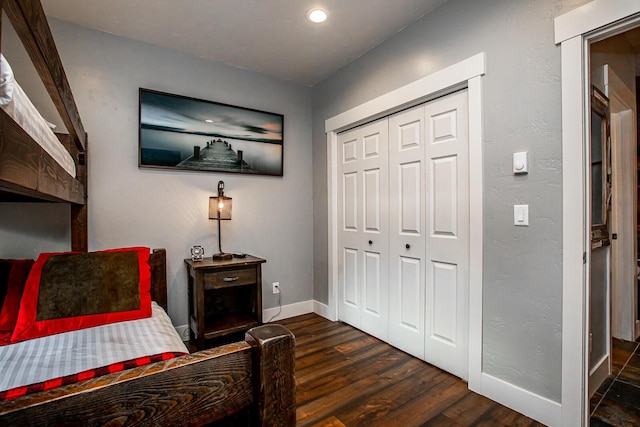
(225, 297)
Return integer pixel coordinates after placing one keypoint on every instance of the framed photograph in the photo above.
(178, 132)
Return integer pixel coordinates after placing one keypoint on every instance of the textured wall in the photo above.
(522, 301)
(272, 216)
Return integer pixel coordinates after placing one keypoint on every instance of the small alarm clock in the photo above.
(197, 253)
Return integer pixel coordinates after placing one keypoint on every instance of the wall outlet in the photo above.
(276, 287)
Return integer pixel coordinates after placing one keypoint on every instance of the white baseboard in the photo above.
(598, 374)
(289, 310)
(322, 310)
(530, 404)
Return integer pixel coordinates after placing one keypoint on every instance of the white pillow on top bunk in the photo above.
(6, 81)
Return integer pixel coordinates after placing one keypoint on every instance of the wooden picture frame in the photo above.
(600, 169)
(182, 133)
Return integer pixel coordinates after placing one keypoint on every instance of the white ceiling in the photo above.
(271, 37)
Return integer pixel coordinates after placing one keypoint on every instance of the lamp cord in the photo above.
(279, 307)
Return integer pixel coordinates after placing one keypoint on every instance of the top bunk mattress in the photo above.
(15, 102)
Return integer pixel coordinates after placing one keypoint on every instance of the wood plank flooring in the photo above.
(345, 377)
(617, 401)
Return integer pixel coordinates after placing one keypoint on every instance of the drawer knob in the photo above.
(408, 246)
(231, 279)
(371, 242)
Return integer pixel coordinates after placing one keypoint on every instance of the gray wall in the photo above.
(522, 301)
(272, 216)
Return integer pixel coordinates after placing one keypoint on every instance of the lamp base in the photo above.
(221, 256)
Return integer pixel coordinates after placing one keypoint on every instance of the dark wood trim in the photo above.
(80, 213)
(30, 22)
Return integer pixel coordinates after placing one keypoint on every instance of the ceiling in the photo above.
(270, 37)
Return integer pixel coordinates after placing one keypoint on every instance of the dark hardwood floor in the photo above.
(345, 377)
(617, 401)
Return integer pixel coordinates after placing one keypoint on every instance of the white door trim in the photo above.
(466, 73)
(573, 30)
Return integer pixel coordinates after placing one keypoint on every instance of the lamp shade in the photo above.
(220, 207)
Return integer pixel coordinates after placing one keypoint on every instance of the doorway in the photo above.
(613, 284)
(576, 31)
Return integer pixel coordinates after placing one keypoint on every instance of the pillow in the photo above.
(6, 81)
(70, 291)
(13, 274)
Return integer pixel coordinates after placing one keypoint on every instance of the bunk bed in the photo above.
(27, 171)
(249, 382)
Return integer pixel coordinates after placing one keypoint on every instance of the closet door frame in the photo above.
(464, 74)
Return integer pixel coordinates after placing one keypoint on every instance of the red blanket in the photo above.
(85, 375)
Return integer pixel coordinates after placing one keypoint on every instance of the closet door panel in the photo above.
(447, 240)
(375, 238)
(363, 236)
(444, 320)
(407, 228)
(444, 196)
(350, 231)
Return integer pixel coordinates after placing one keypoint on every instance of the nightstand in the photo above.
(225, 297)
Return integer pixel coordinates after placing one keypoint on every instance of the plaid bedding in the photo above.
(43, 363)
(85, 375)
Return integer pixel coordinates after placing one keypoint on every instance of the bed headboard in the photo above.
(158, 264)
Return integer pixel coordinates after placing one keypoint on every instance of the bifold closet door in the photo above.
(447, 243)
(363, 228)
(403, 238)
(407, 236)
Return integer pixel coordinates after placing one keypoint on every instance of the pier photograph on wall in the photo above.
(179, 132)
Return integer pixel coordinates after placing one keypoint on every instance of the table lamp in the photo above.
(220, 209)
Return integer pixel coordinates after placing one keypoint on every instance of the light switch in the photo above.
(521, 215)
(520, 163)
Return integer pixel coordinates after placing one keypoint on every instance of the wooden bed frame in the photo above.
(253, 378)
(250, 382)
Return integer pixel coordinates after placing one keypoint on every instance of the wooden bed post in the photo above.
(158, 266)
(80, 213)
(274, 377)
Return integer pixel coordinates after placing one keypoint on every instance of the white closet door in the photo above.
(363, 234)
(407, 231)
(447, 243)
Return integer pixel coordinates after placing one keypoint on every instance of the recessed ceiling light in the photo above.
(317, 15)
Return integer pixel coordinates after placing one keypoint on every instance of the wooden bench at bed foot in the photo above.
(253, 378)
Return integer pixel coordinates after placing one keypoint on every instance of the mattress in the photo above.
(15, 102)
(101, 349)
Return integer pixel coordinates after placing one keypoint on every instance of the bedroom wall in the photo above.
(522, 268)
(272, 216)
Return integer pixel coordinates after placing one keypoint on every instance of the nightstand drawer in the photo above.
(225, 279)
